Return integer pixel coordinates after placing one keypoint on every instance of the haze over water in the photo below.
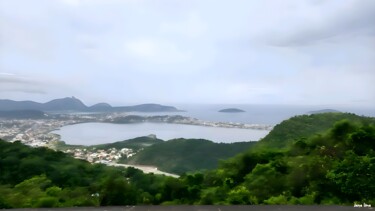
(256, 114)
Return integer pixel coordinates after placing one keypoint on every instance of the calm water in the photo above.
(99, 133)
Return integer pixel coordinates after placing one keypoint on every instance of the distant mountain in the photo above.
(231, 110)
(147, 108)
(63, 104)
(68, 103)
(22, 114)
(8, 105)
(100, 107)
(74, 104)
(324, 111)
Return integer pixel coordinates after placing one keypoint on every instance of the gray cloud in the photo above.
(27, 90)
(15, 80)
(351, 19)
(152, 51)
(14, 83)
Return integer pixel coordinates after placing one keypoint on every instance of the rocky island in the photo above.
(231, 110)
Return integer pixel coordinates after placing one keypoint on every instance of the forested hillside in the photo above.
(320, 166)
(304, 126)
(332, 167)
(40, 177)
(186, 155)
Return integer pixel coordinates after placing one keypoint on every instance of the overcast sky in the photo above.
(191, 51)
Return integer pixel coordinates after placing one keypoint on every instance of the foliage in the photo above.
(40, 177)
(304, 126)
(335, 165)
(183, 155)
(331, 167)
(136, 143)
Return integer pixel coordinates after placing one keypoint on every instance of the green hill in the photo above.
(136, 143)
(184, 155)
(314, 166)
(187, 155)
(304, 126)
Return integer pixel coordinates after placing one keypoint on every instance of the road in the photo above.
(145, 169)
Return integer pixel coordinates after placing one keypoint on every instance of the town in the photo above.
(39, 132)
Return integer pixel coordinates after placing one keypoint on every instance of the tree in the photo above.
(354, 177)
(117, 191)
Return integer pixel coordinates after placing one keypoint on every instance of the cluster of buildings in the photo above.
(37, 132)
(194, 121)
(34, 133)
(105, 156)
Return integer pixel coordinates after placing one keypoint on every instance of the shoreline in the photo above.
(41, 132)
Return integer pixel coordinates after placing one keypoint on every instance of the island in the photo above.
(231, 110)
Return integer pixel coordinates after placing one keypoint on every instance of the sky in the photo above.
(311, 52)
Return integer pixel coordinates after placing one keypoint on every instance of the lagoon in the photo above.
(100, 133)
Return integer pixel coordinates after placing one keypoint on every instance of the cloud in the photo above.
(6, 74)
(332, 20)
(157, 51)
(13, 83)
(72, 3)
(189, 51)
(316, 85)
(192, 27)
(33, 41)
(13, 78)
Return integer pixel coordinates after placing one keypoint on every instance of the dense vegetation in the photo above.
(305, 126)
(135, 143)
(185, 155)
(40, 177)
(336, 167)
(333, 165)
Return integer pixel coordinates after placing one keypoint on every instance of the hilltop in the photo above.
(304, 126)
(324, 111)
